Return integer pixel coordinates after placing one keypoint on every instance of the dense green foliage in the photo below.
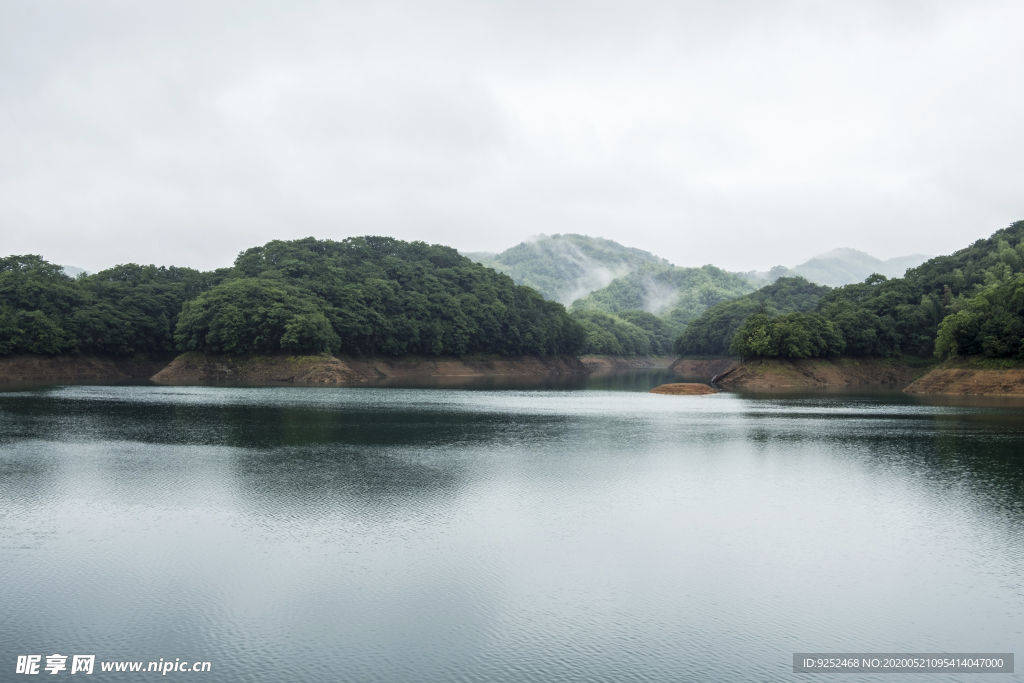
(991, 323)
(676, 294)
(712, 333)
(377, 295)
(661, 332)
(249, 315)
(626, 333)
(902, 315)
(382, 295)
(565, 267)
(609, 334)
(793, 335)
(971, 301)
(126, 310)
(363, 295)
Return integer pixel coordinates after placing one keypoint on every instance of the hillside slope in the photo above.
(713, 332)
(676, 294)
(970, 302)
(973, 376)
(565, 267)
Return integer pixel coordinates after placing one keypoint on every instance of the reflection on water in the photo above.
(580, 530)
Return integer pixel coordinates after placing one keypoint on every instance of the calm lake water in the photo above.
(575, 530)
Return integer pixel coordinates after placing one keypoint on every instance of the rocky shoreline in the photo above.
(598, 363)
(706, 368)
(324, 369)
(972, 377)
(774, 373)
(962, 376)
(72, 368)
(959, 376)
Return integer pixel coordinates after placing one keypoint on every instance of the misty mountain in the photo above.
(676, 294)
(565, 267)
(839, 267)
(72, 271)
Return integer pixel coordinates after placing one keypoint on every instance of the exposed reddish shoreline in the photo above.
(597, 363)
(771, 373)
(73, 368)
(324, 369)
(686, 367)
(970, 377)
(684, 389)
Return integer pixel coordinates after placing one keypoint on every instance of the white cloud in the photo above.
(739, 133)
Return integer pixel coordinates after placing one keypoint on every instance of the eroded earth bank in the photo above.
(325, 369)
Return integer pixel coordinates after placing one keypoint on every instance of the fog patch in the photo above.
(659, 297)
(591, 275)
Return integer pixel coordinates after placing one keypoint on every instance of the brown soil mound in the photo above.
(595, 362)
(195, 367)
(685, 367)
(74, 369)
(971, 377)
(684, 389)
(817, 372)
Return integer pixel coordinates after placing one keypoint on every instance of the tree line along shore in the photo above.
(378, 297)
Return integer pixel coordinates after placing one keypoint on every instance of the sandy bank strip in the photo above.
(322, 369)
(817, 372)
(72, 368)
(707, 368)
(597, 363)
(958, 378)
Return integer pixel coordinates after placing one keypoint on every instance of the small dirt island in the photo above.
(684, 389)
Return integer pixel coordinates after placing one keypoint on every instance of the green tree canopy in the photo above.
(966, 303)
(712, 333)
(611, 335)
(793, 335)
(990, 323)
(386, 296)
(250, 316)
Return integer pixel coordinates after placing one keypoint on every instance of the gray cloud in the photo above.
(739, 133)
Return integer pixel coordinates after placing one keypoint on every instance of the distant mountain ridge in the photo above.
(840, 267)
(566, 267)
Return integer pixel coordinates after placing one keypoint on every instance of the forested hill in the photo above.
(364, 295)
(566, 267)
(123, 311)
(378, 295)
(970, 302)
(676, 294)
(712, 333)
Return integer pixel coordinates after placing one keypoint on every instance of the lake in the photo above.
(506, 530)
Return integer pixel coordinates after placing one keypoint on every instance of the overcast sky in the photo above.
(743, 134)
